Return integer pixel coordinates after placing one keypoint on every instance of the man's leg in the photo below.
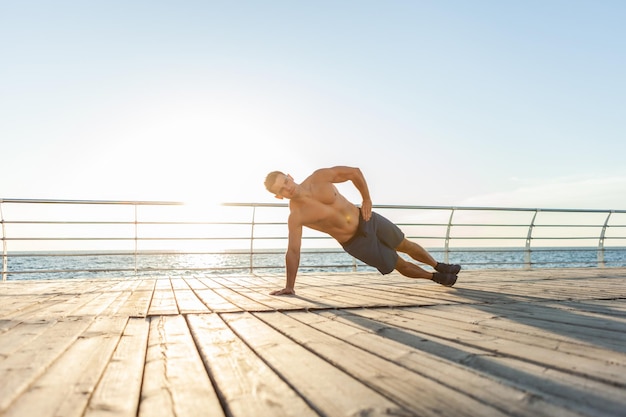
(420, 254)
(445, 275)
(416, 252)
(409, 269)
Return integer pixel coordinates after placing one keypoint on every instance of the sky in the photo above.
(465, 103)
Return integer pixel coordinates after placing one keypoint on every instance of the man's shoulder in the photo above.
(320, 175)
(295, 214)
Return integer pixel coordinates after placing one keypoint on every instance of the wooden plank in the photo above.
(550, 357)
(139, 301)
(186, 299)
(215, 302)
(240, 300)
(68, 299)
(175, 382)
(327, 389)
(80, 294)
(118, 391)
(265, 283)
(308, 294)
(570, 338)
(616, 309)
(578, 333)
(394, 381)
(405, 349)
(13, 302)
(163, 300)
(28, 324)
(21, 334)
(261, 294)
(331, 297)
(66, 386)
(373, 290)
(582, 395)
(563, 389)
(245, 382)
(231, 295)
(117, 292)
(22, 367)
(227, 299)
(395, 295)
(548, 313)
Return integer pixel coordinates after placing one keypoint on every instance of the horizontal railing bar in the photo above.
(133, 223)
(142, 254)
(91, 202)
(284, 223)
(129, 223)
(462, 224)
(79, 238)
(515, 209)
(517, 238)
(64, 222)
(283, 205)
(213, 238)
(160, 253)
(524, 225)
(57, 271)
(449, 208)
(304, 251)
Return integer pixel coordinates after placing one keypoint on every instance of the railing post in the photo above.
(136, 239)
(5, 259)
(446, 250)
(252, 240)
(601, 241)
(529, 239)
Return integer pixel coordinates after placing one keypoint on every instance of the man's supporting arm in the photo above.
(292, 258)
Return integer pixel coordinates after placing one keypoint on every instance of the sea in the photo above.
(73, 265)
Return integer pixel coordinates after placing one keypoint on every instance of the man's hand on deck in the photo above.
(284, 291)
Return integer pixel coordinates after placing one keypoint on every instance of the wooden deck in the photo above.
(523, 343)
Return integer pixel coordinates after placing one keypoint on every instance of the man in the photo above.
(366, 235)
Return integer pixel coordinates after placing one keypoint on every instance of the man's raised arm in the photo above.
(343, 174)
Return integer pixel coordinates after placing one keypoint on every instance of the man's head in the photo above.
(280, 184)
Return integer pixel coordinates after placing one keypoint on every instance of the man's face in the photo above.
(284, 186)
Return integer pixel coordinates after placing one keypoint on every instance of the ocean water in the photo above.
(70, 265)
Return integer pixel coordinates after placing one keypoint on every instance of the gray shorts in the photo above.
(375, 243)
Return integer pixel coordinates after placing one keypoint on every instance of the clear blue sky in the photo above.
(490, 103)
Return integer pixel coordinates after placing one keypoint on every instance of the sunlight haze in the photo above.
(480, 103)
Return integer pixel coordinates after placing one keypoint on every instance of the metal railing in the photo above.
(151, 236)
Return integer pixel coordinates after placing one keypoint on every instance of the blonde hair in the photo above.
(271, 179)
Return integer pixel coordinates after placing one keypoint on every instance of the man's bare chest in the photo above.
(324, 193)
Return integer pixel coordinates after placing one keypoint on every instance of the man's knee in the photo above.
(405, 246)
(403, 266)
(401, 245)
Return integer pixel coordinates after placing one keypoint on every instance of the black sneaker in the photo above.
(444, 279)
(448, 268)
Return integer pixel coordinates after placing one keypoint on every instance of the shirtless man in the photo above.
(366, 235)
